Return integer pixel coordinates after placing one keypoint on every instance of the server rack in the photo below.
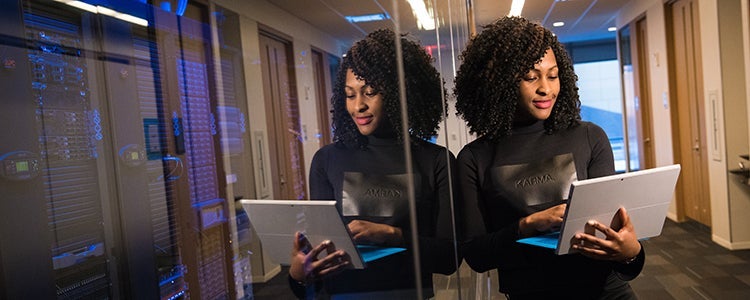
(115, 147)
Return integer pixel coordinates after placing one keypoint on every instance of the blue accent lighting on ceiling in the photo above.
(368, 18)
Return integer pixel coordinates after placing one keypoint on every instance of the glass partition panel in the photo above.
(134, 130)
(440, 28)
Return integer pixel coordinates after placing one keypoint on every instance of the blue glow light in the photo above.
(368, 18)
(212, 123)
(181, 6)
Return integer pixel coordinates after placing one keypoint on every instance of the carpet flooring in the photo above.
(682, 264)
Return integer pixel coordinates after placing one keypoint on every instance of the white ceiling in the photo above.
(584, 19)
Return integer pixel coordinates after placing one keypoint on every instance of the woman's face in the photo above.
(539, 88)
(363, 104)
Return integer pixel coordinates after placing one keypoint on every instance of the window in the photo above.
(601, 102)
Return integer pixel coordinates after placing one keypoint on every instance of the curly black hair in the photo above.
(495, 61)
(373, 59)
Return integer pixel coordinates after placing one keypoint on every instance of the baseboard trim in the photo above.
(268, 276)
(730, 245)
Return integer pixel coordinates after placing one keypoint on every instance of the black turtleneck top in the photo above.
(502, 181)
(371, 184)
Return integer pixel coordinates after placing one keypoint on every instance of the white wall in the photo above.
(720, 220)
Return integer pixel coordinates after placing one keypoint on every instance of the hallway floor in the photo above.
(683, 263)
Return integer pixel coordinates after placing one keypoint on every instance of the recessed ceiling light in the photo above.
(558, 24)
(613, 28)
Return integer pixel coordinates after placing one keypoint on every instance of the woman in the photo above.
(365, 171)
(517, 91)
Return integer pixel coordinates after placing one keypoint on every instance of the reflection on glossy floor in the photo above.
(682, 263)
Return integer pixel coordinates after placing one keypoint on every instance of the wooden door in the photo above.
(643, 91)
(323, 95)
(282, 115)
(688, 130)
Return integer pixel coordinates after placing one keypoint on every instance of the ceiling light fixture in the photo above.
(81, 5)
(424, 18)
(558, 24)
(516, 7)
(367, 18)
(612, 28)
(97, 9)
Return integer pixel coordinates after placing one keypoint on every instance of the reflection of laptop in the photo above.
(645, 194)
(276, 222)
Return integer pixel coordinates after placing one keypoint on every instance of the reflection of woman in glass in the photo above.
(365, 171)
(517, 90)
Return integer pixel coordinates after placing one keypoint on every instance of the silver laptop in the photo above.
(277, 221)
(645, 194)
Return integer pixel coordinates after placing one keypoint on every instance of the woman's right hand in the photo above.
(542, 221)
(307, 267)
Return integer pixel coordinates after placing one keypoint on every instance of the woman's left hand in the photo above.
(619, 245)
(365, 232)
